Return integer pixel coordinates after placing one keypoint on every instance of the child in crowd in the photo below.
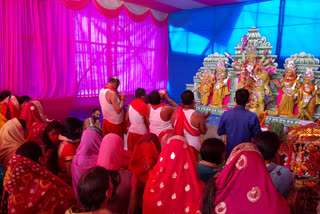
(213, 154)
(95, 190)
(268, 144)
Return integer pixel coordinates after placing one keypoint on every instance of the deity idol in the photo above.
(220, 88)
(254, 76)
(307, 96)
(205, 87)
(299, 163)
(290, 87)
(260, 90)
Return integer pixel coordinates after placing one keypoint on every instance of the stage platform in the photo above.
(216, 113)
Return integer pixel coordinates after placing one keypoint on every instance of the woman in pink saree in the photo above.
(244, 186)
(173, 185)
(86, 156)
(112, 157)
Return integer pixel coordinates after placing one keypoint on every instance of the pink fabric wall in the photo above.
(50, 51)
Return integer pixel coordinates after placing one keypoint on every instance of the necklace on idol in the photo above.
(308, 92)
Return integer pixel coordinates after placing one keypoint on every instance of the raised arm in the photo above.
(173, 103)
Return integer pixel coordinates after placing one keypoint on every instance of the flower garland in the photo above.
(289, 80)
(308, 92)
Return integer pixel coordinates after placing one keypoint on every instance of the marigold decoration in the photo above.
(304, 147)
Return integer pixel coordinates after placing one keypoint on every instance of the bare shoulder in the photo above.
(197, 116)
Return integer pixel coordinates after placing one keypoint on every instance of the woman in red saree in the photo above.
(9, 109)
(32, 188)
(144, 158)
(173, 185)
(244, 186)
(32, 113)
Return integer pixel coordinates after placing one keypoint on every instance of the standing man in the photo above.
(160, 114)
(137, 115)
(188, 122)
(112, 108)
(93, 120)
(239, 124)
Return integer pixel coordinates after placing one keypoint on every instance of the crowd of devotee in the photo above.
(163, 166)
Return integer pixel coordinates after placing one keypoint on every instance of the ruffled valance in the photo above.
(112, 8)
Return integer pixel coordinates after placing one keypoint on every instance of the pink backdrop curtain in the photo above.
(49, 51)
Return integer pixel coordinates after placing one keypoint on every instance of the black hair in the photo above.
(30, 150)
(187, 97)
(242, 96)
(140, 92)
(94, 110)
(114, 80)
(92, 188)
(268, 144)
(4, 94)
(208, 196)
(154, 97)
(23, 99)
(23, 123)
(71, 125)
(53, 125)
(212, 150)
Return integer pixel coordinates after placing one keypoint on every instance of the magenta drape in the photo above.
(48, 50)
(114, 12)
(75, 4)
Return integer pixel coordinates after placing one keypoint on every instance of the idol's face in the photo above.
(307, 80)
(289, 73)
(251, 58)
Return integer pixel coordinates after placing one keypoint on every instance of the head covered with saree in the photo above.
(32, 112)
(145, 156)
(173, 185)
(11, 137)
(33, 189)
(244, 185)
(86, 156)
(111, 152)
(9, 109)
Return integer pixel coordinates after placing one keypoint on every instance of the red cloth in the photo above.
(108, 127)
(140, 106)
(66, 152)
(145, 156)
(114, 90)
(4, 108)
(183, 124)
(159, 106)
(33, 189)
(244, 185)
(36, 133)
(32, 112)
(173, 185)
(165, 132)
(132, 140)
(14, 107)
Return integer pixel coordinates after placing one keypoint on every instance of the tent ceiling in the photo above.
(170, 6)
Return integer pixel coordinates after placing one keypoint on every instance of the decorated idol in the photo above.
(307, 96)
(220, 88)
